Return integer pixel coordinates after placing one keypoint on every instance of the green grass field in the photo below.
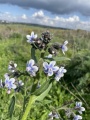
(74, 86)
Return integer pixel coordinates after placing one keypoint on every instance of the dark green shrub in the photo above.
(78, 71)
(15, 35)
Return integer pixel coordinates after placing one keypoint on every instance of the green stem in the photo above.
(42, 54)
(70, 92)
(28, 108)
(80, 95)
(33, 50)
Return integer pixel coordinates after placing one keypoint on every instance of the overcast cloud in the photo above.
(54, 6)
(73, 22)
(58, 8)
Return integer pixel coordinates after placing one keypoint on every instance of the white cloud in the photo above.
(73, 19)
(73, 22)
(7, 16)
(24, 17)
(70, 19)
(38, 14)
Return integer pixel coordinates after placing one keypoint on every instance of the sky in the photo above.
(73, 14)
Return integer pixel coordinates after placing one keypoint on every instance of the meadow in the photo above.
(74, 86)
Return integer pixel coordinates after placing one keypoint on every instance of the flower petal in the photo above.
(64, 48)
(50, 114)
(82, 109)
(56, 68)
(45, 65)
(12, 80)
(35, 68)
(13, 86)
(35, 36)
(66, 42)
(28, 69)
(78, 104)
(6, 76)
(57, 78)
(33, 74)
(32, 34)
(52, 63)
(50, 73)
(28, 37)
(77, 117)
(31, 62)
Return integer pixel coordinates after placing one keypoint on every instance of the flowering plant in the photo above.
(44, 68)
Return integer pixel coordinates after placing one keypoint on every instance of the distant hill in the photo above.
(34, 24)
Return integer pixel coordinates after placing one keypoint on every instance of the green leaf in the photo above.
(29, 106)
(44, 94)
(57, 59)
(11, 106)
(43, 117)
(61, 58)
(47, 101)
(43, 87)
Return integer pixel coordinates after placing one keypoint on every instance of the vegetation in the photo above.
(74, 86)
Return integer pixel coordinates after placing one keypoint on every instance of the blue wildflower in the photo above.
(50, 68)
(60, 73)
(77, 117)
(9, 83)
(53, 115)
(31, 68)
(12, 66)
(20, 83)
(79, 107)
(64, 47)
(31, 37)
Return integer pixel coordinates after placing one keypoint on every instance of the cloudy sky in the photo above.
(73, 14)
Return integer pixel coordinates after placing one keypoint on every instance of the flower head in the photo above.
(64, 47)
(20, 83)
(12, 66)
(31, 68)
(60, 73)
(53, 115)
(77, 117)
(79, 107)
(9, 83)
(50, 68)
(31, 38)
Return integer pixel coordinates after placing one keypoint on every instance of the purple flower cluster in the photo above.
(11, 82)
(12, 66)
(77, 108)
(80, 109)
(39, 43)
(51, 69)
(53, 115)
